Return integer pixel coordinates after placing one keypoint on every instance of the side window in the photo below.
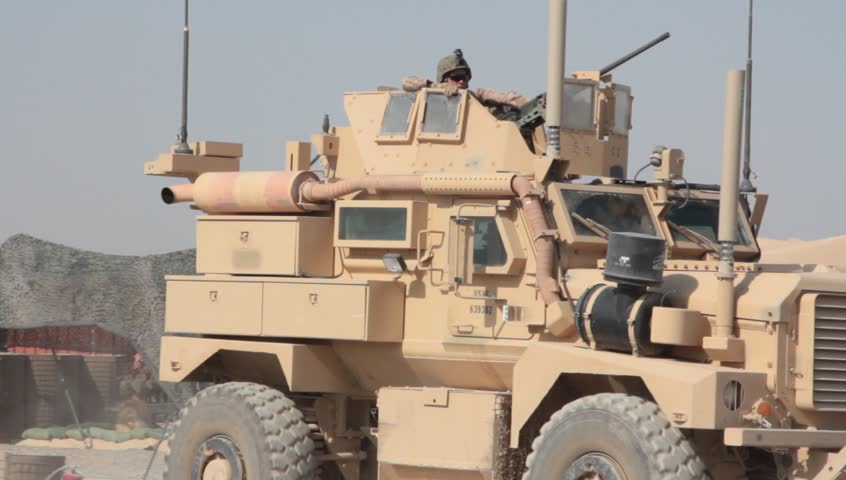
(497, 245)
(578, 105)
(440, 118)
(378, 223)
(441, 114)
(397, 117)
(384, 223)
(488, 248)
(622, 110)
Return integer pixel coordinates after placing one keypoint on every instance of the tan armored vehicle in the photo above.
(451, 293)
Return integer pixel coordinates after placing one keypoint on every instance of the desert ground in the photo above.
(99, 463)
(826, 251)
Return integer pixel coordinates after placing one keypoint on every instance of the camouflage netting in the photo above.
(43, 284)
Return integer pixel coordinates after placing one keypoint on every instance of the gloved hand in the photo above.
(512, 98)
(451, 90)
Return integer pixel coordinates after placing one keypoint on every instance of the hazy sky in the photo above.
(90, 90)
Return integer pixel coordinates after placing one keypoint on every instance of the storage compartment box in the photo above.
(265, 245)
(371, 311)
(302, 308)
(218, 149)
(190, 166)
(412, 425)
(198, 306)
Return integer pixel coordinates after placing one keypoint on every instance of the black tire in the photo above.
(329, 471)
(760, 465)
(251, 428)
(616, 436)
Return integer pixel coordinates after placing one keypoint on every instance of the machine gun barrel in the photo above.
(631, 55)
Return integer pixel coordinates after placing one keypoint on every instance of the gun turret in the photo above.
(631, 55)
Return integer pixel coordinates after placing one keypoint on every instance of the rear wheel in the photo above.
(612, 437)
(240, 431)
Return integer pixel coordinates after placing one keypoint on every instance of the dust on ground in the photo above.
(104, 462)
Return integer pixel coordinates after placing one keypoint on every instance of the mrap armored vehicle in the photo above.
(451, 291)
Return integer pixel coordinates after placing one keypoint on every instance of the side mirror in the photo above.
(461, 262)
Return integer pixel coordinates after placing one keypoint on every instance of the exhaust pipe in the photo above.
(555, 77)
(729, 194)
(722, 345)
(178, 193)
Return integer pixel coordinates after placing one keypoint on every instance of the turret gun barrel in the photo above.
(631, 55)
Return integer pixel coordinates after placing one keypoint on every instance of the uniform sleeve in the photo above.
(413, 84)
(488, 96)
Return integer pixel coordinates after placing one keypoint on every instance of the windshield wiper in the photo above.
(593, 225)
(697, 238)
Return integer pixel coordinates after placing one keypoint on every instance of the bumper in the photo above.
(784, 438)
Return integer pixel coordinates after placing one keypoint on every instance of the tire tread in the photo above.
(286, 437)
(674, 458)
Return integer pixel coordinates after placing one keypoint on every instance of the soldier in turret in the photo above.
(454, 75)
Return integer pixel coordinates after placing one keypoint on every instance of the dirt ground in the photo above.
(99, 464)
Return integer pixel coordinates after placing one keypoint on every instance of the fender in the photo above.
(690, 394)
(306, 368)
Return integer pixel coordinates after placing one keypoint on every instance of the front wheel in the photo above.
(241, 431)
(612, 436)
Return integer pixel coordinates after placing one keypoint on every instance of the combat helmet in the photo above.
(451, 62)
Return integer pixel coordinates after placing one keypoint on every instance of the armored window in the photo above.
(488, 249)
(622, 109)
(578, 105)
(357, 223)
(496, 244)
(594, 211)
(703, 217)
(397, 117)
(378, 223)
(441, 114)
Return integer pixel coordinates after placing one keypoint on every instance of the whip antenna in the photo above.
(746, 184)
(182, 136)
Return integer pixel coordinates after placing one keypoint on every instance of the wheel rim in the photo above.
(594, 466)
(218, 458)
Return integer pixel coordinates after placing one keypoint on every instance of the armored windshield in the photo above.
(595, 213)
(703, 217)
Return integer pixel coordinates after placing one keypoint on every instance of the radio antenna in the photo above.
(746, 184)
(182, 136)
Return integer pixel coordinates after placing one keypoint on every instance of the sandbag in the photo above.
(110, 435)
(36, 434)
(57, 432)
